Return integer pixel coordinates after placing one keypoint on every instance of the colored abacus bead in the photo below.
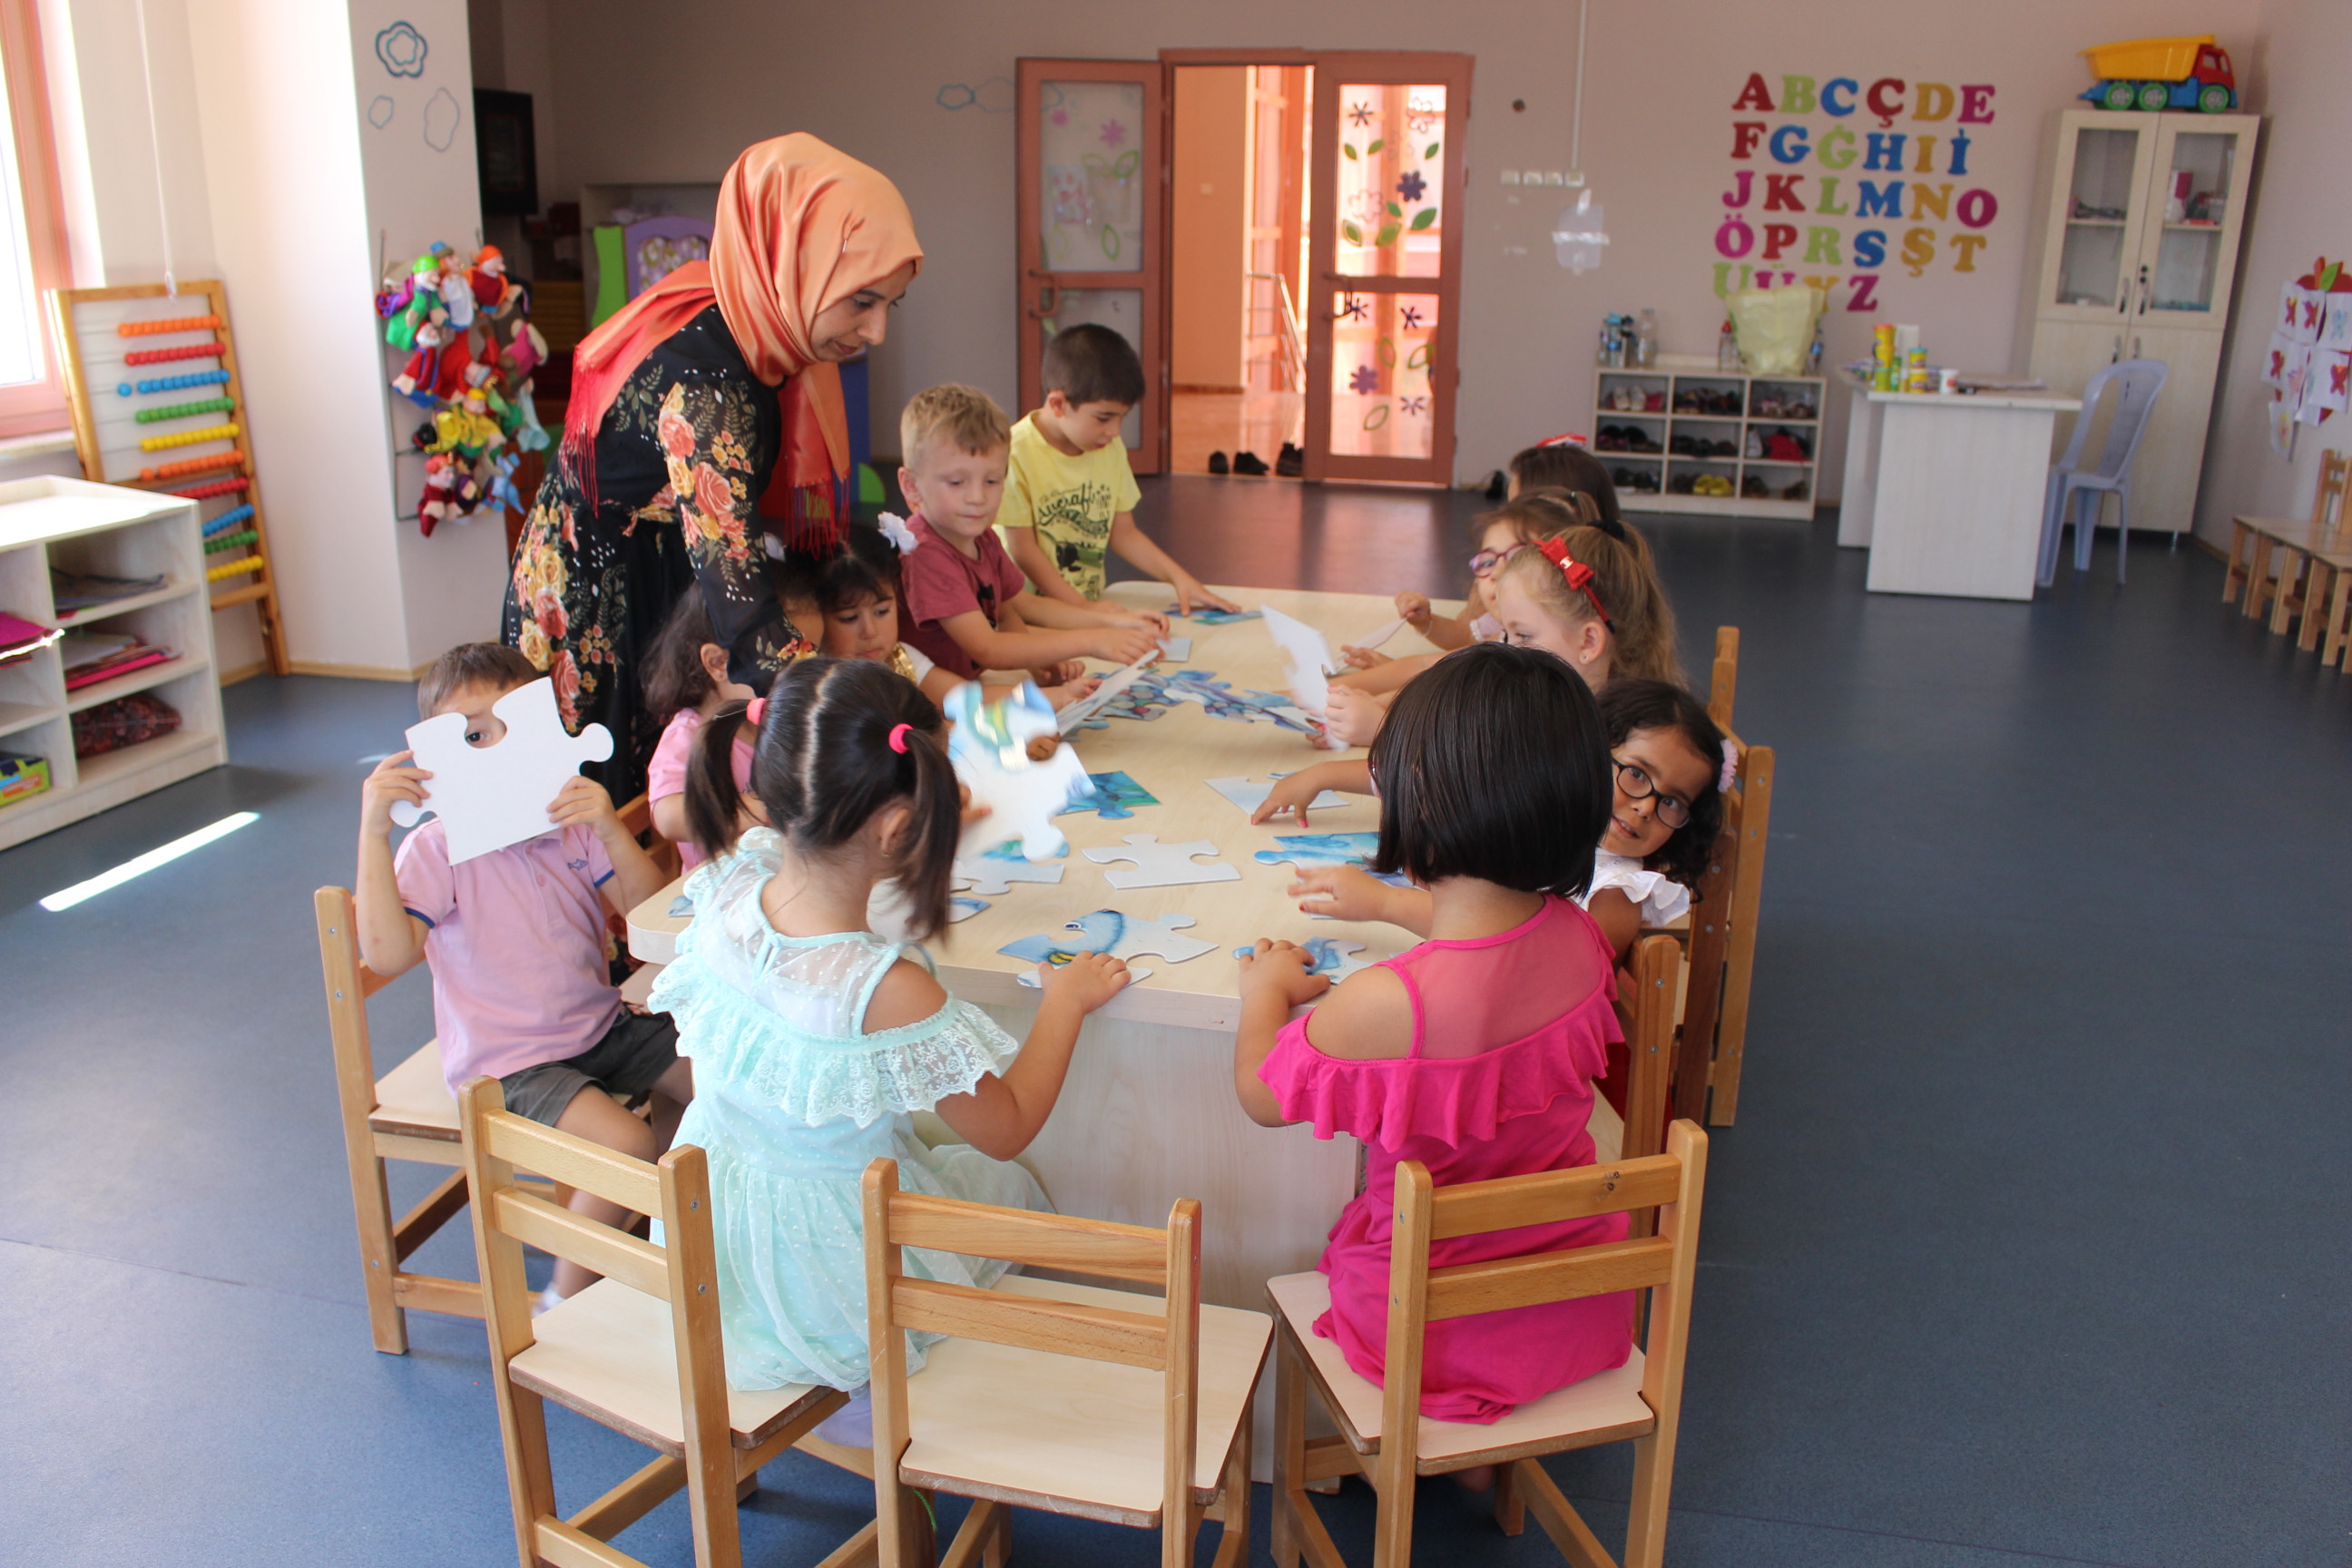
(121, 389)
(190, 437)
(177, 325)
(184, 410)
(186, 350)
(174, 382)
(230, 569)
(228, 519)
(230, 542)
(215, 488)
(191, 466)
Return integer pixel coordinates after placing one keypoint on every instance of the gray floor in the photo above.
(2030, 1245)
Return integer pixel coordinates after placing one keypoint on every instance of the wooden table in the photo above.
(1147, 1114)
(1946, 490)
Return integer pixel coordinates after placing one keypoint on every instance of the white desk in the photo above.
(1148, 1113)
(1946, 491)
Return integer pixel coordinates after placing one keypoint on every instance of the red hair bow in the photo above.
(1578, 575)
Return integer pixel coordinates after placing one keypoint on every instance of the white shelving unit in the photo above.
(1680, 378)
(79, 527)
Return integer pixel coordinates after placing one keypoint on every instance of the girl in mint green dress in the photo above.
(814, 1041)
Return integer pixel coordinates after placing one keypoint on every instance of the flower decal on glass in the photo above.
(1408, 317)
(1060, 117)
(1413, 405)
(1365, 380)
(401, 49)
(1114, 133)
(1354, 307)
(1412, 186)
(1359, 113)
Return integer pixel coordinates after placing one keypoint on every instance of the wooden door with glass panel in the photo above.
(1384, 279)
(1092, 137)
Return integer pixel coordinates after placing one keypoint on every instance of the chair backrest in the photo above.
(350, 982)
(1664, 1263)
(1656, 964)
(2328, 495)
(1723, 680)
(683, 1271)
(2128, 389)
(1166, 1343)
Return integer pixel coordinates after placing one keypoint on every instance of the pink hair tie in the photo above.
(1730, 774)
(899, 738)
(756, 710)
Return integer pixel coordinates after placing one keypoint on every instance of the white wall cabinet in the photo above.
(2136, 229)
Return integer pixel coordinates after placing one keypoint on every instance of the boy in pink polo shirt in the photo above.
(516, 942)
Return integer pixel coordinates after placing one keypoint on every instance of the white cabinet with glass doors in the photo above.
(2136, 238)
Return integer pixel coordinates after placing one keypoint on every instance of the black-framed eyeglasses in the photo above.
(1637, 783)
(1486, 563)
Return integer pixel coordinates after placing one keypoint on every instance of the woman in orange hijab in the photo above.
(706, 430)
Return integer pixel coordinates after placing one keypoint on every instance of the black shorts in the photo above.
(635, 1052)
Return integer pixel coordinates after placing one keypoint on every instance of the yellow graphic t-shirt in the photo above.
(1070, 502)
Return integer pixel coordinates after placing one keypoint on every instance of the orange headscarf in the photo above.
(801, 226)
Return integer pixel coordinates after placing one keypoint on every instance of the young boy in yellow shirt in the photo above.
(1070, 493)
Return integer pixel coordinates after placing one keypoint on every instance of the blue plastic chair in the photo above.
(2135, 382)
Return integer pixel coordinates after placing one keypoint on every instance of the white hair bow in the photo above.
(895, 530)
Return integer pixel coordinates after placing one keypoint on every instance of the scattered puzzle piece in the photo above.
(1250, 794)
(1121, 936)
(1178, 648)
(681, 908)
(1310, 851)
(1331, 956)
(989, 749)
(962, 908)
(1158, 864)
(490, 796)
(1305, 655)
(1079, 713)
(1111, 797)
(994, 872)
(1210, 617)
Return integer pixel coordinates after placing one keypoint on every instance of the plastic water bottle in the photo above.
(1649, 341)
(1726, 348)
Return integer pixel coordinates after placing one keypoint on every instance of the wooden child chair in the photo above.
(2300, 547)
(1108, 1405)
(407, 1114)
(637, 1350)
(1383, 1435)
(1636, 1091)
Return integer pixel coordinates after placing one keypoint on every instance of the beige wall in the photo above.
(1663, 77)
(1209, 237)
(2297, 61)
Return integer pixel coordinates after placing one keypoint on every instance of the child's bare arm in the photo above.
(1012, 646)
(1390, 675)
(1349, 893)
(1021, 543)
(1273, 981)
(392, 940)
(1618, 917)
(1137, 549)
(582, 802)
(1003, 1111)
(668, 813)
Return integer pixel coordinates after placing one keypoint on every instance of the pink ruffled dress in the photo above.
(1508, 1034)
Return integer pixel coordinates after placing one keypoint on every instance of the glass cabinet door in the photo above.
(2189, 250)
(2102, 183)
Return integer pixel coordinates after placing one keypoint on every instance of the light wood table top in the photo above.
(1172, 757)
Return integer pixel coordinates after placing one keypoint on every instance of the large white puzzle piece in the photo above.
(992, 877)
(1158, 864)
(490, 796)
(1326, 955)
(1306, 655)
(990, 748)
(1120, 935)
(1095, 701)
(1250, 794)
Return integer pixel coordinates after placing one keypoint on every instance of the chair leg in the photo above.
(2289, 594)
(2258, 578)
(2086, 525)
(2235, 577)
(2339, 622)
(2122, 529)
(2045, 559)
(1289, 1448)
(1234, 1535)
(379, 1255)
(1510, 1509)
(2318, 579)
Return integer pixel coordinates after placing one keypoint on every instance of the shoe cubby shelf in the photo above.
(1731, 415)
(72, 526)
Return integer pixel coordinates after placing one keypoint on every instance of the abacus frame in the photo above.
(262, 590)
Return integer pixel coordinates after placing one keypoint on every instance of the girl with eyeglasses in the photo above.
(1670, 766)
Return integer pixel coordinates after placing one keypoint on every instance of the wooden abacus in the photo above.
(117, 415)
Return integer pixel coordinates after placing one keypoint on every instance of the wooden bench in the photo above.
(2305, 552)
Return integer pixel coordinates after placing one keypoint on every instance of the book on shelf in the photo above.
(21, 639)
(90, 657)
(22, 776)
(76, 591)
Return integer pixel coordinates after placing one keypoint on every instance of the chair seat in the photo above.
(2299, 531)
(414, 1099)
(1603, 1409)
(608, 1353)
(1074, 1437)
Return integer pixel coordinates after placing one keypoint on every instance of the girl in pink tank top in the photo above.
(1475, 1052)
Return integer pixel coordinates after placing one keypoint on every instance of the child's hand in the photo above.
(1087, 982)
(1125, 645)
(583, 800)
(1362, 658)
(1152, 621)
(1353, 717)
(1190, 592)
(971, 813)
(1058, 674)
(1414, 609)
(1068, 691)
(393, 779)
(1287, 794)
(1042, 747)
(1280, 968)
(1342, 893)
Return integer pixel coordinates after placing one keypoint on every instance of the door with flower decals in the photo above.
(1385, 244)
(1092, 138)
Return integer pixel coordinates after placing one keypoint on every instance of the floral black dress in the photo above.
(684, 454)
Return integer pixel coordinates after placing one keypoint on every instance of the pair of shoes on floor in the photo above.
(1248, 463)
(1290, 462)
